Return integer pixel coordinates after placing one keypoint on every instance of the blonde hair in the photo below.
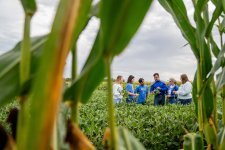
(119, 77)
(173, 80)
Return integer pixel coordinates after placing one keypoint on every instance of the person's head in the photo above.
(130, 79)
(184, 78)
(156, 76)
(141, 81)
(119, 79)
(172, 81)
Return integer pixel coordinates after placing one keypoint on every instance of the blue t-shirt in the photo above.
(162, 85)
(130, 89)
(142, 90)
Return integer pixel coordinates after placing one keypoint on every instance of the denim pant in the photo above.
(159, 100)
(185, 101)
(172, 100)
(118, 100)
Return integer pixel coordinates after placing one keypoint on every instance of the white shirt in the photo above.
(117, 90)
(184, 91)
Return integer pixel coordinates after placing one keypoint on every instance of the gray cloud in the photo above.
(156, 47)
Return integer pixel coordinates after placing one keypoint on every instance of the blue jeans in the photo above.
(172, 100)
(185, 101)
(118, 100)
(129, 100)
(159, 100)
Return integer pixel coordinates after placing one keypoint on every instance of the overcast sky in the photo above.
(157, 46)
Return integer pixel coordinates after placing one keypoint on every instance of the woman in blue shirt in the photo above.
(170, 92)
(130, 89)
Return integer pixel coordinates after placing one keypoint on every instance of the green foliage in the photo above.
(193, 141)
(155, 127)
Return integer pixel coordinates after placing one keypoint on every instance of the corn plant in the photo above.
(202, 43)
(37, 76)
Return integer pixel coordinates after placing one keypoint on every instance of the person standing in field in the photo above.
(142, 90)
(158, 88)
(117, 90)
(130, 89)
(184, 91)
(170, 91)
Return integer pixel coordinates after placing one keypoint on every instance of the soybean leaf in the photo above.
(215, 16)
(9, 66)
(29, 6)
(179, 13)
(119, 22)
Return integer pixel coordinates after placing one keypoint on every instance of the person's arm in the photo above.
(187, 89)
(129, 89)
(152, 88)
(146, 92)
(164, 88)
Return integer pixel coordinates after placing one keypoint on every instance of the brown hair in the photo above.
(130, 78)
(184, 78)
(156, 74)
(119, 77)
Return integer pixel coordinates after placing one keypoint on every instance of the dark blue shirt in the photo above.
(130, 89)
(171, 89)
(142, 90)
(162, 85)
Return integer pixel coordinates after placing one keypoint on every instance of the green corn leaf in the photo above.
(219, 60)
(215, 16)
(208, 102)
(221, 139)
(43, 102)
(127, 141)
(223, 3)
(195, 93)
(82, 19)
(210, 133)
(9, 66)
(221, 80)
(179, 13)
(201, 4)
(119, 22)
(214, 47)
(87, 81)
(29, 6)
(193, 141)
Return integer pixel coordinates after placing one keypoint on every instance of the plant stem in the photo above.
(24, 75)
(75, 106)
(223, 104)
(215, 116)
(200, 103)
(25, 52)
(111, 111)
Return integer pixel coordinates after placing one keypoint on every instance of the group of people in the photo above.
(161, 91)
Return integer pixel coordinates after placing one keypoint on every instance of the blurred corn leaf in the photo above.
(127, 141)
(82, 19)
(193, 141)
(219, 61)
(119, 22)
(50, 78)
(114, 35)
(29, 6)
(9, 66)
